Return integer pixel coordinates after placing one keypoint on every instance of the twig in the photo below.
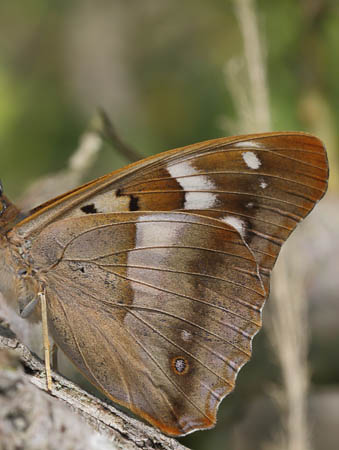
(289, 336)
(48, 186)
(256, 67)
(288, 332)
(112, 423)
(109, 134)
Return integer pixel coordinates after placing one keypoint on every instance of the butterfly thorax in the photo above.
(18, 281)
(9, 214)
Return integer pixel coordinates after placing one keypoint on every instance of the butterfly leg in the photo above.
(42, 298)
(55, 357)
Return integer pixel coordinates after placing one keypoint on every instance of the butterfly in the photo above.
(155, 275)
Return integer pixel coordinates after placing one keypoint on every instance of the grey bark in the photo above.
(30, 418)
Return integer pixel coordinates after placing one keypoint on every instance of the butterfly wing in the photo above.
(262, 184)
(157, 309)
(148, 300)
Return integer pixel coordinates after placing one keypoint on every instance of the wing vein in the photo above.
(218, 191)
(164, 373)
(179, 272)
(224, 172)
(185, 351)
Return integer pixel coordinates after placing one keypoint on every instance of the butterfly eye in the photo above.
(3, 207)
(22, 272)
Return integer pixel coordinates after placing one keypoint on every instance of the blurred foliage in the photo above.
(158, 70)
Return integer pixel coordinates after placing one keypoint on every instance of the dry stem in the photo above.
(288, 332)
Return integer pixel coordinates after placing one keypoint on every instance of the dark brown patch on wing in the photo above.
(162, 193)
(134, 203)
(89, 209)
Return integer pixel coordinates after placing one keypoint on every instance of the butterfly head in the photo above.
(9, 213)
(3, 203)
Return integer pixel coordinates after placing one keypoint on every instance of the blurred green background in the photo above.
(161, 70)
(158, 70)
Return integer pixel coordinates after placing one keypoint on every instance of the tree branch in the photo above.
(125, 432)
(109, 134)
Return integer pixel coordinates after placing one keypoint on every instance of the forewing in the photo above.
(157, 309)
(262, 184)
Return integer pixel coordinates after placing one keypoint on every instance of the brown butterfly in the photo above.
(155, 275)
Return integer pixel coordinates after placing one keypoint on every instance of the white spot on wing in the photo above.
(183, 172)
(199, 200)
(180, 365)
(245, 144)
(109, 202)
(236, 223)
(151, 231)
(185, 335)
(263, 183)
(251, 160)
